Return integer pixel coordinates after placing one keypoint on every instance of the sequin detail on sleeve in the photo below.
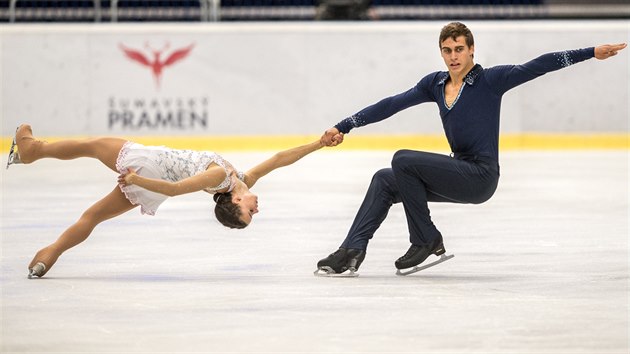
(564, 58)
(354, 121)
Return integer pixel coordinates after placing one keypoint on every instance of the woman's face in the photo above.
(248, 203)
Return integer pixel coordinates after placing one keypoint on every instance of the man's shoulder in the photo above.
(434, 78)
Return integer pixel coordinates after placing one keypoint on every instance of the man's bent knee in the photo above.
(402, 159)
(384, 183)
(384, 174)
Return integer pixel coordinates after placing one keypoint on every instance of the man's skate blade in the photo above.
(346, 274)
(416, 269)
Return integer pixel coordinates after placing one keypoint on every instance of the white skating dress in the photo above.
(173, 165)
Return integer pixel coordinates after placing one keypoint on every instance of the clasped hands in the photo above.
(331, 137)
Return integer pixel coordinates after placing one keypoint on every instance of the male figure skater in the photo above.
(469, 100)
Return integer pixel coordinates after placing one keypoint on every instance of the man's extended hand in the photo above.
(608, 50)
(331, 137)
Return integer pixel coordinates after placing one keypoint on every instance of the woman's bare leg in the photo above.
(30, 149)
(112, 205)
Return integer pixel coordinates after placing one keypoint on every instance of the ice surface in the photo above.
(540, 268)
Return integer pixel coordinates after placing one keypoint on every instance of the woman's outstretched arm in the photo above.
(280, 159)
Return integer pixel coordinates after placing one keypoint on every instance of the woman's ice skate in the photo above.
(14, 156)
(37, 271)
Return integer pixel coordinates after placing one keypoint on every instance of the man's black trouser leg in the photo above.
(382, 193)
(422, 177)
(416, 178)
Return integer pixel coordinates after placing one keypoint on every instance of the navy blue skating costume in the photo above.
(471, 125)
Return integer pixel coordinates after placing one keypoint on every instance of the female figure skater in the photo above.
(148, 176)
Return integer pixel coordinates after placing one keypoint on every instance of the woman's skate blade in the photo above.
(416, 269)
(327, 272)
(37, 270)
(14, 156)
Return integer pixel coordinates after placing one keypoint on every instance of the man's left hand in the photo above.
(608, 50)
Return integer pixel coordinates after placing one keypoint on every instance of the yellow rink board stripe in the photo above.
(374, 142)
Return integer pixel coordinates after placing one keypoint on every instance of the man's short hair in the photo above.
(454, 30)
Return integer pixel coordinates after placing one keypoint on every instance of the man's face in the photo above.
(457, 56)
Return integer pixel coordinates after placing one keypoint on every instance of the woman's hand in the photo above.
(126, 179)
(331, 137)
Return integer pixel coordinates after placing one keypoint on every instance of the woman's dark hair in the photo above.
(454, 30)
(228, 213)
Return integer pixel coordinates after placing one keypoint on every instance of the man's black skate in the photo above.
(354, 258)
(340, 261)
(418, 254)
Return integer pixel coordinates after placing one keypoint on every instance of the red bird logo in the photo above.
(157, 65)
